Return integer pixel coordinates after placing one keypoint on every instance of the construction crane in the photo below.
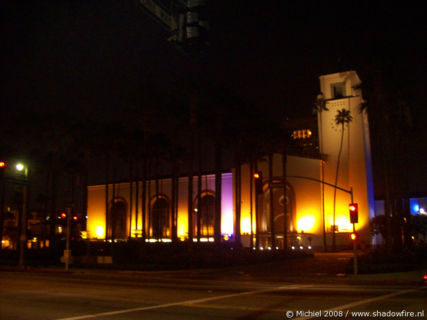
(184, 20)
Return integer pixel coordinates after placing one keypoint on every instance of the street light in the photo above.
(22, 179)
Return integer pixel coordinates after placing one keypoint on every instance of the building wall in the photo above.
(308, 213)
(96, 225)
(308, 195)
(313, 212)
(96, 212)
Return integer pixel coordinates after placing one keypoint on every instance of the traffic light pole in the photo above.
(328, 184)
(355, 264)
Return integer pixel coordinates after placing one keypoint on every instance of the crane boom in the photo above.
(161, 15)
(185, 20)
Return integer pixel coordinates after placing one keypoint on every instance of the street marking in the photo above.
(360, 302)
(233, 307)
(187, 302)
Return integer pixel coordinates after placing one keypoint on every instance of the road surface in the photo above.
(107, 295)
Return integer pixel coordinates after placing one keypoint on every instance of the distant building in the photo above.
(160, 210)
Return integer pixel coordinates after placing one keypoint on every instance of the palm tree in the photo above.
(318, 107)
(342, 117)
(389, 113)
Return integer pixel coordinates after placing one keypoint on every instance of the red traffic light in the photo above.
(354, 212)
(257, 175)
(353, 236)
(75, 218)
(2, 164)
(63, 215)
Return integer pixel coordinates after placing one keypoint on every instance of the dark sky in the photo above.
(83, 56)
(74, 53)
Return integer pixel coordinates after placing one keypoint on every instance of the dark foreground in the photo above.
(256, 292)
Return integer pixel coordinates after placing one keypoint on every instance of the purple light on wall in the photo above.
(227, 208)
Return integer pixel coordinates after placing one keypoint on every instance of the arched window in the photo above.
(279, 203)
(118, 213)
(205, 216)
(160, 218)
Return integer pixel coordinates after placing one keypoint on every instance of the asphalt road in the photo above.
(119, 295)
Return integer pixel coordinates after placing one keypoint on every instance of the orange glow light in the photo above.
(256, 175)
(306, 223)
(63, 215)
(353, 236)
(2, 164)
(75, 218)
(99, 232)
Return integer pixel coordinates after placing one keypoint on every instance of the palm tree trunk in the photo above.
(143, 201)
(107, 178)
(238, 195)
(335, 184)
(149, 215)
(135, 178)
(285, 204)
(84, 191)
(323, 182)
(251, 183)
(158, 218)
(199, 187)
(270, 174)
(218, 190)
(131, 196)
(190, 190)
(174, 211)
(113, 198)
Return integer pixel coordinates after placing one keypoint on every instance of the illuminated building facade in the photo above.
(160, 223)
(300, 211)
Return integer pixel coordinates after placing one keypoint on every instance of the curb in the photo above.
(32, 270)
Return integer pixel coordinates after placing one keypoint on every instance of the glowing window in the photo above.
(204, 218)
(160, 219)
(301, 134)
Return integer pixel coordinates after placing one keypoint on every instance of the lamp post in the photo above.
(22, 173)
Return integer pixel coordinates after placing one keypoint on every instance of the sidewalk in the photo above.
(322, 268)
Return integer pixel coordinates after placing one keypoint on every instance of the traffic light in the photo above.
(258, 182)
(63, 215)
(354, 236)
(354, 213)
(2, 168)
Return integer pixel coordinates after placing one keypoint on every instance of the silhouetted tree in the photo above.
(342, 118)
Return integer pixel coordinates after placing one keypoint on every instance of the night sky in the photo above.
(93, 57)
